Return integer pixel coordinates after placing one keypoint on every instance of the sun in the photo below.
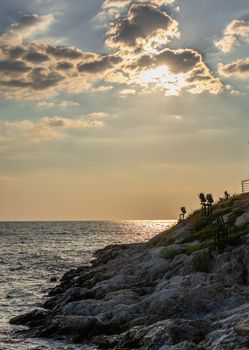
(161, 77)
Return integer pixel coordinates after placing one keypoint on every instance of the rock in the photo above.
(225, 330)
(242, 328)
(71, 274)
(177, 235)
(168, 334)
(70, 295)
(77, 327)
(31, 319)
(109, 306)
(132, 298)
(181, 346)
(53, 279)
(242, 219)
(229, 268)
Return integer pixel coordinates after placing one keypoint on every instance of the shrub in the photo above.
(235, 234)
(203, 235)
(202, 261)
(234, 215)
(200, 224)
(170, 253)
(193, 248)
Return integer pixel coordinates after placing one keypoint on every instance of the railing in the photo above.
(245, 185)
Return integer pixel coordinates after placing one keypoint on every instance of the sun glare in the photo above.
(162, 77)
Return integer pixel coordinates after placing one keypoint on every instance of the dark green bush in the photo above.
(203, 261)
(194, 248)
(170, 253)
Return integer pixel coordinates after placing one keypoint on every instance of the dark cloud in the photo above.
(52, 70)
(44, 78)
(141, 22)
(14, 66)
(179, 60)
(99, 65)
(16, 83)
(145, 61)
(26, 22)
(239, 68)
(16, 52)
(35, 57)
(64, 52)
(65, 65)
(38, 79)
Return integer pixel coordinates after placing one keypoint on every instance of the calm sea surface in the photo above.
(33, 252)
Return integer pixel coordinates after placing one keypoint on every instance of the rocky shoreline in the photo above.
(178, 291)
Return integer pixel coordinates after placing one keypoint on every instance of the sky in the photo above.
(121, 109)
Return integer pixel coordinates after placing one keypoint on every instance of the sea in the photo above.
(31, 253)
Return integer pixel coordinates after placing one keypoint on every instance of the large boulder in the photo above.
(227, 332)
(31, 319)
(167, 334)
(242, 219)
(77, 327)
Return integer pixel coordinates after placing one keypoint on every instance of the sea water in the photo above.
(31, 253)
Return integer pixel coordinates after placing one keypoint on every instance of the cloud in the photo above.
(25, 28)
(98, 115)
(144, 23)
(64, 52)
(64, 65)
(14, 67)
(137, 59)
(100, 64)
(127, 92)
(237, 69)
(15, 52)
(44, 70)
(37, 71)
(48, 128)
(173, 71)
(178, 60)
(235, 31)
(170, 70)
(102, 88)
(59, 104)
(226, 43)
(112, 8)
(35, 57)
(121, 3)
